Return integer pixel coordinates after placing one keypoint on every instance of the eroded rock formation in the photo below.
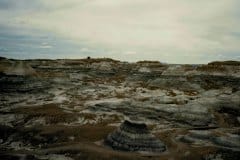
(131, 136)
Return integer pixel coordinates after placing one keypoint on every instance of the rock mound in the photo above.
(131, 136)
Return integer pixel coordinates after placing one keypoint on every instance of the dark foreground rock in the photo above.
(21, 84)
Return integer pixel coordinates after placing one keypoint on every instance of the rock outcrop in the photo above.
(131, 136)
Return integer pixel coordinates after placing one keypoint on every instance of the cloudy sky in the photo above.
(173, 31)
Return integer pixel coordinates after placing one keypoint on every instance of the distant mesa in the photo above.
(14, 67)
(2, 58)
(20, 68)
(134, 137)
(229, 63)
(148, 62)
(99, 60)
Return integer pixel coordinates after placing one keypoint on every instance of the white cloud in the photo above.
(172, 30)
(130, 52)
(85, 49)
(46, 46)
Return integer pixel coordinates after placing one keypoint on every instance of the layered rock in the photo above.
(209, 137)
(16, 83)
(131, 136)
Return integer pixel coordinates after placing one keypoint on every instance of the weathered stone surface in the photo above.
(202, 137)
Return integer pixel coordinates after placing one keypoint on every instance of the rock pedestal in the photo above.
(131, 136)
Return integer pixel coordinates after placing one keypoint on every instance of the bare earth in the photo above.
(64, 109)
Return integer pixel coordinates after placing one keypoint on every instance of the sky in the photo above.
(171, 31)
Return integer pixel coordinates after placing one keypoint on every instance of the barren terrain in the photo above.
(63, 109)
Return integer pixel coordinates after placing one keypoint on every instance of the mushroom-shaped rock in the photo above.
(132, 136)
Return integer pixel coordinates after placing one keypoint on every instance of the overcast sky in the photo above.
(173, 31)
